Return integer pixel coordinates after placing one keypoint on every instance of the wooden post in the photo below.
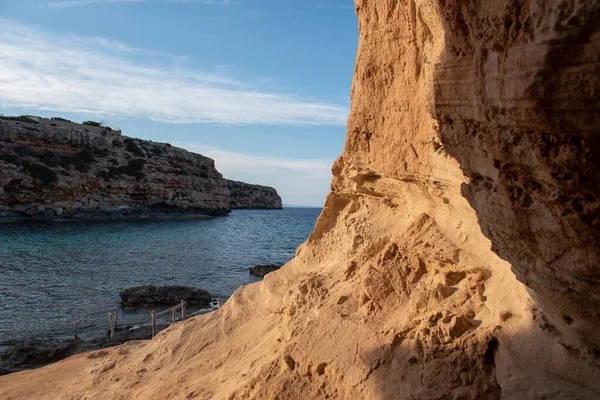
(153, 316)
(112, 326)
(183, 310)
(173, 315)
(77, 321)
(218, 302)
(116, 316)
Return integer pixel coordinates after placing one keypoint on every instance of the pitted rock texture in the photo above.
(52, 169)
(456, 256)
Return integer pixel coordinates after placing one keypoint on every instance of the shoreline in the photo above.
(31, 353)
(121, 213)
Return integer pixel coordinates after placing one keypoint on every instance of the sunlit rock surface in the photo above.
(457, 254)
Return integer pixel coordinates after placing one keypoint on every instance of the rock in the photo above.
(93, 173)
(472, 148)
(34, 352)
(164, 295)
(19, 355)
(245, 196)
(263, 269)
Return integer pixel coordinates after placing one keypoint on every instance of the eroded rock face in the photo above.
(528, 142)
(59, 170)
(245, 196)
(446, 262)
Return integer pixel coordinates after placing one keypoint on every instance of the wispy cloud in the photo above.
(75, 3)
(305, 181)
(229, 160)
(46, 72)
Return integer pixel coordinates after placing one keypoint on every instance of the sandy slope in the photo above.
(397, 293)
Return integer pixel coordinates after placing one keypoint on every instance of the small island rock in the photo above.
(164, 295)
(263, 269)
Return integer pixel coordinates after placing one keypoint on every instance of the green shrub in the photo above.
(110, 173)
(80, 161)
(60, 119)
(42, 174)
(134, 168)
(180, 171)
(132, 147)
(24, 151)
(22, 118)
(86, 156)
(157, 150)
(102, 153)
(49, 158)
(91, 123)
(11, 159)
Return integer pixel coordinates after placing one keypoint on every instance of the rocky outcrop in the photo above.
(457, 253)
(244, 196)
(262, 269)
(54, 169)
(164, 295)
(20, 355)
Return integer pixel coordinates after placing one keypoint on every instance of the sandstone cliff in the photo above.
(57, 169)
(457, 254)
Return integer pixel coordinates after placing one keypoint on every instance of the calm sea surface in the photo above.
(50, 271)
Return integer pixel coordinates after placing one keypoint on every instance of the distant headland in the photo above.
(55, 169)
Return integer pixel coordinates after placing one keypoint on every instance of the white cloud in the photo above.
(299, 181)
(97, 76)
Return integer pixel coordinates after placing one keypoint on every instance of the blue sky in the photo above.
(261, 86)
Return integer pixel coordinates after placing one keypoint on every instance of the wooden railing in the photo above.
(172, 310)
(113, 320)
(113, 317)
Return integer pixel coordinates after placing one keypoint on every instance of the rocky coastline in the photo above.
(28, 353)
(23, 354)
(57, 170)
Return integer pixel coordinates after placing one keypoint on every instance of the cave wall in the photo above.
(456, 256)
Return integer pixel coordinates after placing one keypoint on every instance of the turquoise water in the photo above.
(50, 271)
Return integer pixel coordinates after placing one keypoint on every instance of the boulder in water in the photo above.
(263, 269)
(164, 295)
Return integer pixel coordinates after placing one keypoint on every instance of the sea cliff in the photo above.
(457, 253)
(56, 169)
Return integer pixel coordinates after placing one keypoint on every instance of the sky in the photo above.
(260, 86)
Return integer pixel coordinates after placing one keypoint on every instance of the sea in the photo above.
(50, 271)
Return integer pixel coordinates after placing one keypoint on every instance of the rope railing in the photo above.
(113, 317)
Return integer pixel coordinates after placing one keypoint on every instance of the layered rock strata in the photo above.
(54, 169)
(457, 253)
(245, 196)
